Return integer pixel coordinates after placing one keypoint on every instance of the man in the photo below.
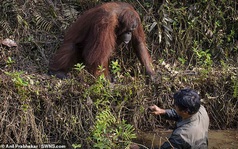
(192, 121)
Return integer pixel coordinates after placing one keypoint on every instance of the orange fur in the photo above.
(93, 37)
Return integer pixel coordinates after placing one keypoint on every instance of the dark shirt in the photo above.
(191, 133)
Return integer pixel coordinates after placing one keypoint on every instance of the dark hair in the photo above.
(187, 100)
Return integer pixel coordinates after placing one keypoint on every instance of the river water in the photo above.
(218, 139)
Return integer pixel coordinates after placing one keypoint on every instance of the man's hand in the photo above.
(156, 110)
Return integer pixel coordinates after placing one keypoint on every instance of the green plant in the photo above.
(182, 60)
(100, 68)
(10, 61)
(22, 88)
(99, 91)
(16, 78)
(109, 133)
(75, 146)
(116, 70)
(203, 58)
(116, 67)
(79, 67)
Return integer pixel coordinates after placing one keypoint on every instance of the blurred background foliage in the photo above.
(193, 43)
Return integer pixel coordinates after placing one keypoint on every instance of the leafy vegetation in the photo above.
(192, 43)
(108, 133)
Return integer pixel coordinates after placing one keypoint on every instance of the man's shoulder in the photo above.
(203, 114)
(202, 109)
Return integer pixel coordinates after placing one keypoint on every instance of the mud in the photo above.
(218, 139)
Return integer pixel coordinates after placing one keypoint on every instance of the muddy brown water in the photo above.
(218, 139)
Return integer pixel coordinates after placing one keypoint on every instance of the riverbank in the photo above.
(218, 139)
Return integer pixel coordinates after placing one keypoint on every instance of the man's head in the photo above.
(187, 100)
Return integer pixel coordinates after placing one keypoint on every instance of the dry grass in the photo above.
(37, 108)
